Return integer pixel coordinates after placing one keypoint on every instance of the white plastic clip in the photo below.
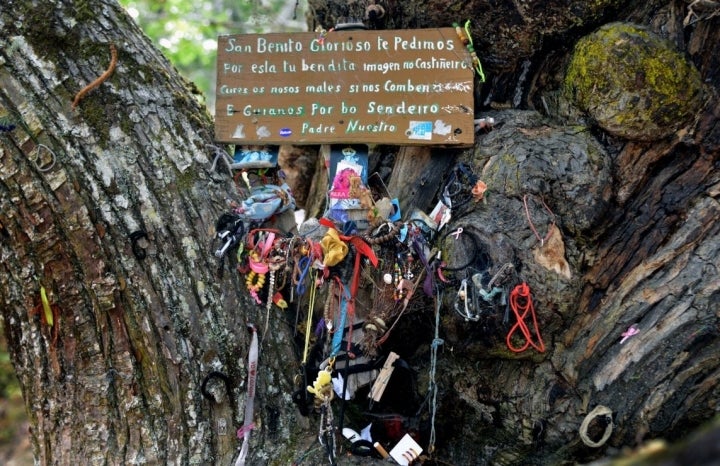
(230, 240)
(464, 308)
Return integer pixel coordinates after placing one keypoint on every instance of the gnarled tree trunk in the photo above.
(111, 206)
(639, 222)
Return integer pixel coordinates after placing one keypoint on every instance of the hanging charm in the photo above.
(466, 39)
(464, 303)
(551, 254)
(254, 283)
(269, 303)
(326, 434)
(322, 388)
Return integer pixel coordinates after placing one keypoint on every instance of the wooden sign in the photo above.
(392, 87)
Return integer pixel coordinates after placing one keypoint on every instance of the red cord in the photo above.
(521, 304)
(532, 226)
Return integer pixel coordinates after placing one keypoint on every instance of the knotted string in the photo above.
(436, 343)
(471, 49)
(522, 305)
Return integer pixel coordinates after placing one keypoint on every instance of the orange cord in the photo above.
(521, 304)
(101, 79)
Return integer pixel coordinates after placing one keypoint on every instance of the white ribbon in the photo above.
(244, 431)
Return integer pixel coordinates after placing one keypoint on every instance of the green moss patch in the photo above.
(635, 84)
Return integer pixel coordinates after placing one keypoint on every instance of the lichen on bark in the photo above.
(633, 83)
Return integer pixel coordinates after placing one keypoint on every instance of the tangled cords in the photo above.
(522, 305)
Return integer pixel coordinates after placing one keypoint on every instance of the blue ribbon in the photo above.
(304, 264)
(338, 335)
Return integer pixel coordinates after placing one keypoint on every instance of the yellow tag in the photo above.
(46, 307)
(279, 301)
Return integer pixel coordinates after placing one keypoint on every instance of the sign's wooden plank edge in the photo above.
(393, 115)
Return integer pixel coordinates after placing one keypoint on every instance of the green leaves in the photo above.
(186, 30)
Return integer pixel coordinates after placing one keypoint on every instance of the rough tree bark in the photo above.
(117, 379)
(640, 226)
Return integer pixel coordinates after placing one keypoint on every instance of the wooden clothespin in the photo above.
(383, 378)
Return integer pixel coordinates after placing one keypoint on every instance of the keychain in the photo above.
(465, 302)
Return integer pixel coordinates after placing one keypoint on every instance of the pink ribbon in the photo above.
(244, 431)
(258, 266)
(632, 330)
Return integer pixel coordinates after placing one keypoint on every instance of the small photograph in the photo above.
(347, 180)
(255, 157)
(353, 156)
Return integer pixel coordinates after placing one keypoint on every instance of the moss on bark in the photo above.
(633, 83)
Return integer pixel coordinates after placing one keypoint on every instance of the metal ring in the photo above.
(599, 410)
(472, 257)
(218, 375)
(137, 250)
(48, 167)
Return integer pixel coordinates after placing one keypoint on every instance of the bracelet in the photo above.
(393, 231)
(254, 283)
(472, 257)
(599, 410)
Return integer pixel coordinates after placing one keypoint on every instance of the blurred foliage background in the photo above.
(14, 444)
(187, 30)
